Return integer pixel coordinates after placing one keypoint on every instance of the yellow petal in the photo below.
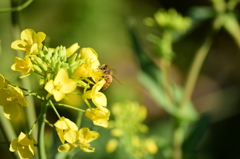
(64, 124)
(24, 152)
(28, 35)
(99, 116)
(14, 145)
(34, 48)
(41, 37)
(72, 49)
(18, 94)
(69, 86)
(71, 136)
(61, 77)
(23, 139)
(99, 99)
(49, 86)
(66, 147)
(97, 87)
(58, 95)
(60, 134)
(19, 45)
(2, 81)
(85, 135)
(11, 111)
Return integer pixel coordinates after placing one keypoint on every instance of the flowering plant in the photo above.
(62, 71)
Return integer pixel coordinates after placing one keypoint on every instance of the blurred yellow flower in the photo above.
(98, 98)
(67, 130)
(151, 146)
(12, 99)
(85, 137)
(61, 85)
(112, 145)
(31, 42)
(23, 66)
(24, 145)
(99, 116)
(72, 49)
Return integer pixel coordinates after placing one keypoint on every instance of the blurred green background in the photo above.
(104, 26)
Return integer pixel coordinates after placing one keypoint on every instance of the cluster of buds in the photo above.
(172, 25)
(62, 70)
(169, 20)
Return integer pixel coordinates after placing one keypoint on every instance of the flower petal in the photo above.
(11, 111)
(99, 99)
(66, 147)
(71, 136)
(14, 145)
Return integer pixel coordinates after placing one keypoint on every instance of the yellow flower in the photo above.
(23, 66)
(85, 137)
(60, 86)
(71, 137)
(72, 49)
(90, 66)
(12, 100)
(67, 130)
(31, 41)
(98, 98)
(24, 145)
(99, 116)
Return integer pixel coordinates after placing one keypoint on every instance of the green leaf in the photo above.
(157, 93)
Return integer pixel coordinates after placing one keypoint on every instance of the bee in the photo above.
(107, 75)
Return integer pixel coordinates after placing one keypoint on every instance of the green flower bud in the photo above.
(37, 69)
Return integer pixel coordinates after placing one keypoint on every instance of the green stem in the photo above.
(18, 8)
(79, 119)
(31, 93)
(34, 124)
(42, 118)
(180, 128)
(8, 132)
(30, 111)
(178, 136)
(69, 106)
(55, 110)
(198, 61)
(195, 69)
(165, 65)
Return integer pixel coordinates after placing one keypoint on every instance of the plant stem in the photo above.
(55, 110)
(41, 145)
(8, 132)
(180, 128)
(17, 8)
(165, 65)
(30, 111)
(195, 69)
(178, 136)
(79, 119)
(69, 106)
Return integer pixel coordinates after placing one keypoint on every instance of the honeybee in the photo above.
(108, 75)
